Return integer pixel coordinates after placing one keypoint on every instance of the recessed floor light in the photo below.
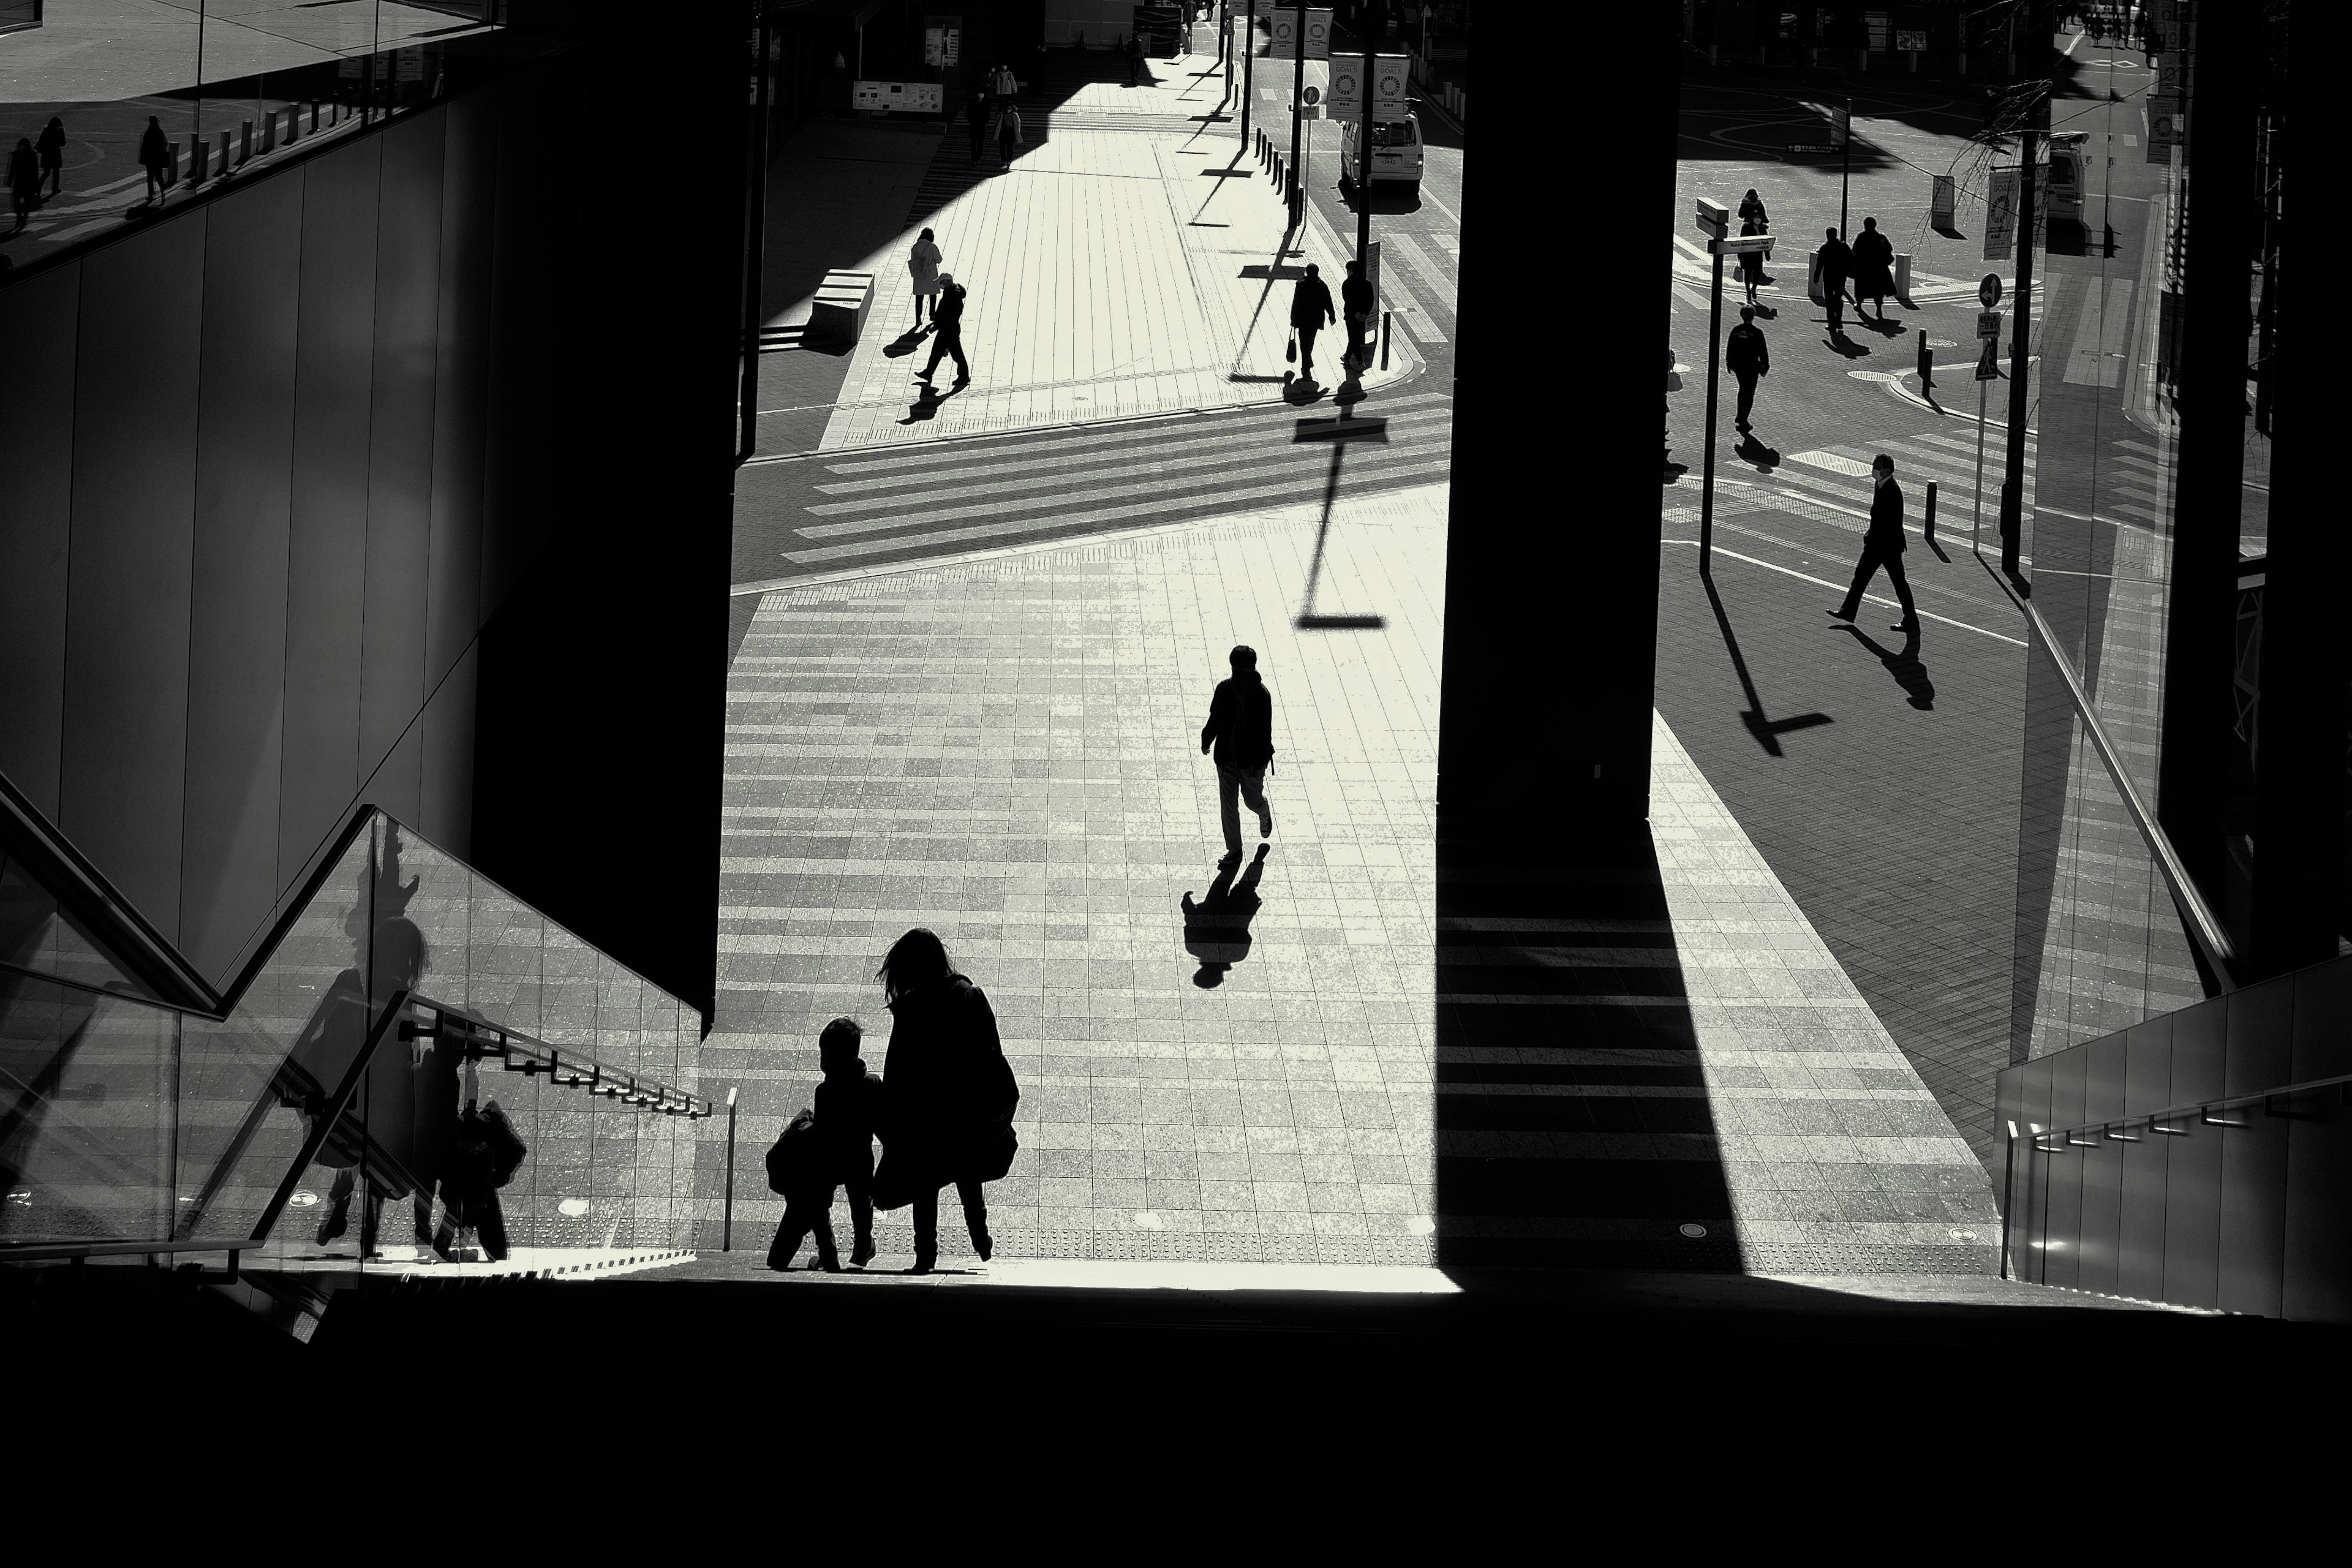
(1693, 1231)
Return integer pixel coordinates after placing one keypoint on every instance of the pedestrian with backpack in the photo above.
(829, 1146)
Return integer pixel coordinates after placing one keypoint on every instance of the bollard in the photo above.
(1902, 278)
(172, 170)
(314, 117)
(223, 159)
(1928, 527)
(269, 131)
(1385, 324)
(197, 148)
(245, 147)
(293, 123)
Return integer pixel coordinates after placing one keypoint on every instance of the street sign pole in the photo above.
(2013, 488)
(1297, 111)
(1988, 295)
(1845, 178)
(1249, 64)
(1375, 24)
(1976, 527)
(1715, 222)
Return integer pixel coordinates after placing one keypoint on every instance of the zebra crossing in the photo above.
(2131, 490)
(862, 505)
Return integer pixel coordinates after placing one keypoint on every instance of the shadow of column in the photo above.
(1572, 1123)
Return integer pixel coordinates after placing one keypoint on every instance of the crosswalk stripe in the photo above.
(926, 455)
(1027, 464)
(1408, 308)
(1423, 268)
(1185, 476)
(1304, 488)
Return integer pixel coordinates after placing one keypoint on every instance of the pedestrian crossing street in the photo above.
(865, 505)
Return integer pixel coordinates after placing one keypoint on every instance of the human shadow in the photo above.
(1903, 664)
(1882, 327)
(1845, 345)
(1767, 731)
(1754, 451)
(908, 342)
(1216, 928)
(927, 405)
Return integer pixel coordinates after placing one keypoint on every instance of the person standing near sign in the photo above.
(1882, 546)
(1355, 307)
(1747, 358)
(1874, 268)
(1836, 266)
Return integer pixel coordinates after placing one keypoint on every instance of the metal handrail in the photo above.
(2205, 928)
(2204, 1109)
(528, 1054)
(76, 1252)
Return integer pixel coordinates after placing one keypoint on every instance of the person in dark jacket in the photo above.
(1882, 546)
(1134, 57)
(948, 1094)
(1752, 221)
(1746, 357)
(51, 146)
(975, 123)
(947, 330)
(1874, 268)
(1241, 728)
(23, 180)
(1310, 313)
(1837, 266)
(1356, 302)
(849, 1112)
(1008, 132)
(154, 156)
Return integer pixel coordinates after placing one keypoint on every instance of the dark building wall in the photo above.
(289, 452)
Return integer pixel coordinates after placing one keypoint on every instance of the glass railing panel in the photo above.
(86, 1092)
(37, 935)
(247, 1082)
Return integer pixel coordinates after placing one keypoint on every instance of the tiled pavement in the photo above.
(1006, 751)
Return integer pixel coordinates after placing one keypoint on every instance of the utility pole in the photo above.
(1846, 176)
(1374, 23)
(1298, 107)
(1249, 63)
(2013, 485)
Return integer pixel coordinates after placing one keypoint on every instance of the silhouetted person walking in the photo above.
(975, 124)
(1752, 221)
(154, 156)
(1310, 312)
(1882, 546)
(51, 146)
(947, 322)
(948, 1094)
(1008, 132)
(923, 271)
(1874, 268)
(1241, 729)
(836, 1150)
(1747, 358)
(23, 180)
(1356, 306)
(1134, 58)
(1837, 266)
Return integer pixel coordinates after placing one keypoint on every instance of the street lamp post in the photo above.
(1249, 63)
(1374, 23)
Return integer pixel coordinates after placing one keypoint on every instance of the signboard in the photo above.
(1943, 200)
(1714, 218)
(1285, 34)
(1910, 41)
(1988, 323)
(1989, 360)
(2001, 215)
(1311, 97)
(1746, 244)
(1840, 126)
(1990, 290)
(942, 40)
(899, 98)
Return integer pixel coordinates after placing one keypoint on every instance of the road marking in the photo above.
(1073, 519)
(1171, 480)
(1840, 588)
(1425, 269)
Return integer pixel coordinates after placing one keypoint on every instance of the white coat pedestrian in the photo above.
(923, 267)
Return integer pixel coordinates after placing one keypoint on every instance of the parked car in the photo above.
(1396, 150)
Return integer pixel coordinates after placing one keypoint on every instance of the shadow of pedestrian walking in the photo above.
(1845, 345)
(1753, 450)
(1904, 665)
(1216, 928)
(927, 405)
(908, 342)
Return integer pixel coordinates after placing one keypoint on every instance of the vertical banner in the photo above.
(1943, 202)
(2001, 215)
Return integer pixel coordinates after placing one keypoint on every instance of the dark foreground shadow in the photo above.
(1767, 731)
(1903, 664)
(1216, 928)
(1568, 1131)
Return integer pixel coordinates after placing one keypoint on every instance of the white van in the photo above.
(1396, 150)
